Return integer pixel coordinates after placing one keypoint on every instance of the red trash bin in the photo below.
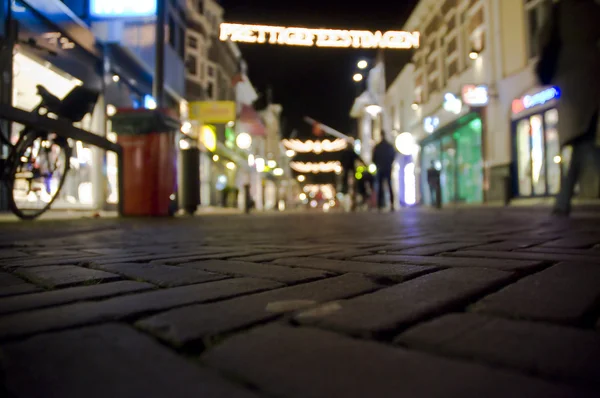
(149, 160)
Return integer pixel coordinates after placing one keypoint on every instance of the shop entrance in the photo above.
(458, 155)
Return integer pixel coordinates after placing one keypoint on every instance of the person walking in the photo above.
(570, 59)
(384, 155)
(433, 180)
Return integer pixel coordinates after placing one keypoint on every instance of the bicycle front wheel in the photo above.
(38, 173)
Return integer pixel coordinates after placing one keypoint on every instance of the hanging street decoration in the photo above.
(336, 38)
(316, 168)
(317, 147)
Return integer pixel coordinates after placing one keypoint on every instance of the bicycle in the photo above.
(37, 164)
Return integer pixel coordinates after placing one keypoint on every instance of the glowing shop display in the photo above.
(452, 103)
(410, 183)
(288, 36)
(315, 146)
(473, 95)
(122, 8)
(540, 98)
(315, 168)
(260, 164)
(430, 124)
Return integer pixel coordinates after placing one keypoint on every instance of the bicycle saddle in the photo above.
(49, 100)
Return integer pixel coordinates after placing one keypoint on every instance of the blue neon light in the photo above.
(122, 8)
(529, 101)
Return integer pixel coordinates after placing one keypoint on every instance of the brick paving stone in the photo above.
(550, 257)
(274, 256)
(394, 272)
(431, 250)
(44, 261)
(106, 361)
(12, 254)
(562, 293)
(201, 322)
(345, 254)
(64, 275)
(509, 244)
(267, 271)
(555, 352)
(11, 285)
(161, 275)
(117, 308)
(574, 242)
(69, 295)
(574, 252)
(506, 265)
(401, 305)
(298, 362)
(180, 259)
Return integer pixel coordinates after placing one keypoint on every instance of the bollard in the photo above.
(247, 199)
(507, 190)
(189, 185)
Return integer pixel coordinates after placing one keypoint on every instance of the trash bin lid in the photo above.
(129, 121)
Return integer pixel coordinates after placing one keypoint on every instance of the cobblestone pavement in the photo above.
(473, 303)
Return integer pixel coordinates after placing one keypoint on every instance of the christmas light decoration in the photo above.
(315, 168)
(317, 147)
(318, 37)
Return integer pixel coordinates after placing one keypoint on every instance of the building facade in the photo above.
(473, 105)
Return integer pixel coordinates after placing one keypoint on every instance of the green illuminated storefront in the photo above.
(456, 151)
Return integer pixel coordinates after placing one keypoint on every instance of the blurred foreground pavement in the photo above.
(460, 303)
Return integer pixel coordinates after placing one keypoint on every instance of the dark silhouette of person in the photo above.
(348, 160)
(433, 180)
(570, 41)
(384, 155)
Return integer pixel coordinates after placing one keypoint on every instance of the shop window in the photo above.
(553, 158)
(538, 172)
(536, 12)
(523, 157)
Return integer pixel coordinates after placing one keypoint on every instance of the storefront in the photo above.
(456, 151)
(59, 63)
(536, 148)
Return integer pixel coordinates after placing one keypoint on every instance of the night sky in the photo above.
(314, 82)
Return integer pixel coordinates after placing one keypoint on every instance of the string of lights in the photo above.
(316, 168)
(316, 147)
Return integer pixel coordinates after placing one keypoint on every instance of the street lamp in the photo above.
(244, 141)
(357, 77)
(362, 64)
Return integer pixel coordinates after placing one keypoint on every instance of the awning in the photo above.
(250, 122)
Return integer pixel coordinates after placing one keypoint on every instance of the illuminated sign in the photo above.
(122, 8)
(452, 103)
(149, 102)
(318, 37)
(208, 137)
(212, 111)
(430, 124)
(473, 95)
(540, 98)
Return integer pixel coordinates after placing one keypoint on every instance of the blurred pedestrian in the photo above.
(433, 180)
(384, 155)
(348, 160)
(570, 59)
